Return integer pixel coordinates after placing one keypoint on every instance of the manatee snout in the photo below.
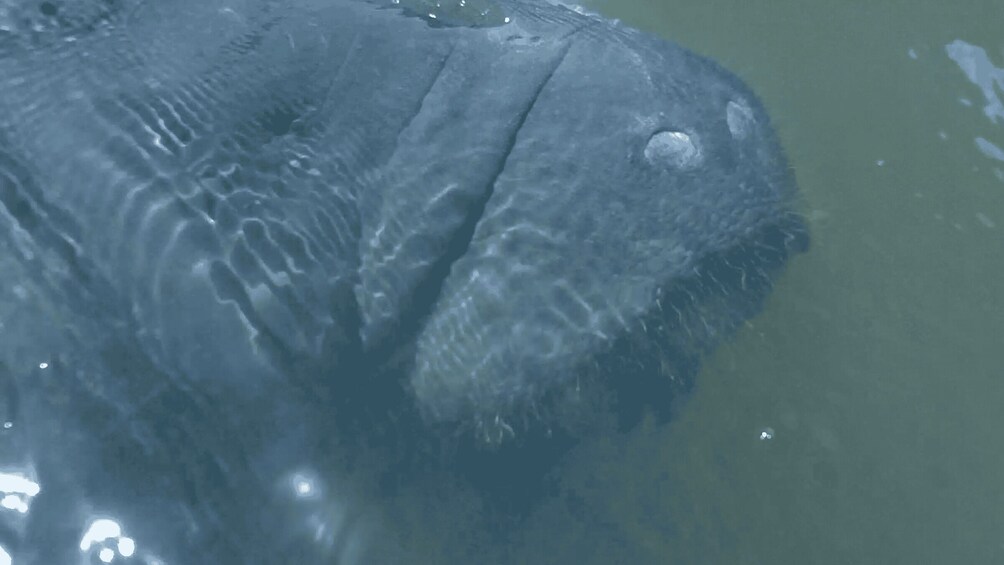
(639, 218)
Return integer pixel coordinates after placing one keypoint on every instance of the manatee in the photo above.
(238, 237)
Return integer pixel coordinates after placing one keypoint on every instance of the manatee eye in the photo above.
(739, 118)
(673, 149)
(48, 9)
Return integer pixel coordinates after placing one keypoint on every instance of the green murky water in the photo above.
(879, 361)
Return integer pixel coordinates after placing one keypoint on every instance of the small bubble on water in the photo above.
(766, 434)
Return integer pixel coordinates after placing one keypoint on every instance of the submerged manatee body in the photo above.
(231, 232)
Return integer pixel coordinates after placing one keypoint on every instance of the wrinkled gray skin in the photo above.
(221, 222)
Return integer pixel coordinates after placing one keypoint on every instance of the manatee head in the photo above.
(639, 215)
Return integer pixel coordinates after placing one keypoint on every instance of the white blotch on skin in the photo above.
(739, 118)
(673, 149)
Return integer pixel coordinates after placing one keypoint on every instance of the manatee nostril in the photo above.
(674, 149)
(739, 118)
